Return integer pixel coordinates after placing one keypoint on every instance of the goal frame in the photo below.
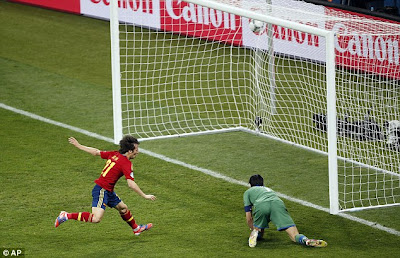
(330, 82)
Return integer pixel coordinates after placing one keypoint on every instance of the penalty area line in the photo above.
(196, 168)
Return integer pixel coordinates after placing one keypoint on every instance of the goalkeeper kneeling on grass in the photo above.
(262, 206)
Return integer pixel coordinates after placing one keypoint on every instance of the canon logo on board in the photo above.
(145, 6)
(296, 36)
(200, 15)
(369, 46)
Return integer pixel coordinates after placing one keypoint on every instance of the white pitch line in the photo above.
(196, 168)
(49, 121)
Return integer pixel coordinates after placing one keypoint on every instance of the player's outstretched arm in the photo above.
(91, 150)
(132, 184)
(249, 220)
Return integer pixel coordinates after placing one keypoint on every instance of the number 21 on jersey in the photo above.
(109, 165)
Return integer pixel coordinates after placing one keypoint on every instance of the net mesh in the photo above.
(176, 83)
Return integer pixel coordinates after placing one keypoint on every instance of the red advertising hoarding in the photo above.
(199, 21)
(369, 50)
(71, 6)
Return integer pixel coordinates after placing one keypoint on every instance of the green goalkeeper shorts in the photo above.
(272, 211)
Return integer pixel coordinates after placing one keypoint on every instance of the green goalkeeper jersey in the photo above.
(266, 206)
(258, 194)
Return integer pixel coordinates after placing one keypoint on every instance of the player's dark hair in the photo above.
(256, 180)
(127, 143)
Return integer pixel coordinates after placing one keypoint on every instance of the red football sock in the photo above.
(81, 216)
(129, 219)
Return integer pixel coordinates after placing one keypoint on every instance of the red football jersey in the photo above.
(116, 166)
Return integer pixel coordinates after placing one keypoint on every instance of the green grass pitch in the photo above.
(58, 66)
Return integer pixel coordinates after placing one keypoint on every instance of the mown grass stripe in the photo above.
(196, 168)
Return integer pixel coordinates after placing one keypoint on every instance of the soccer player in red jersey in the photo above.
(118, 164)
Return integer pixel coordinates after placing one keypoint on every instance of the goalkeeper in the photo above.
(262, 206)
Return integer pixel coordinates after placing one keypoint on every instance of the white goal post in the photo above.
(313, 77)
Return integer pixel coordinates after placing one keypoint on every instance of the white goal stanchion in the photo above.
(302, 74)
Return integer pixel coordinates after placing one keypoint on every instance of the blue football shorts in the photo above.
(103, 198)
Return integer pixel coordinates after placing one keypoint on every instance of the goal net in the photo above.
(313, 77)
